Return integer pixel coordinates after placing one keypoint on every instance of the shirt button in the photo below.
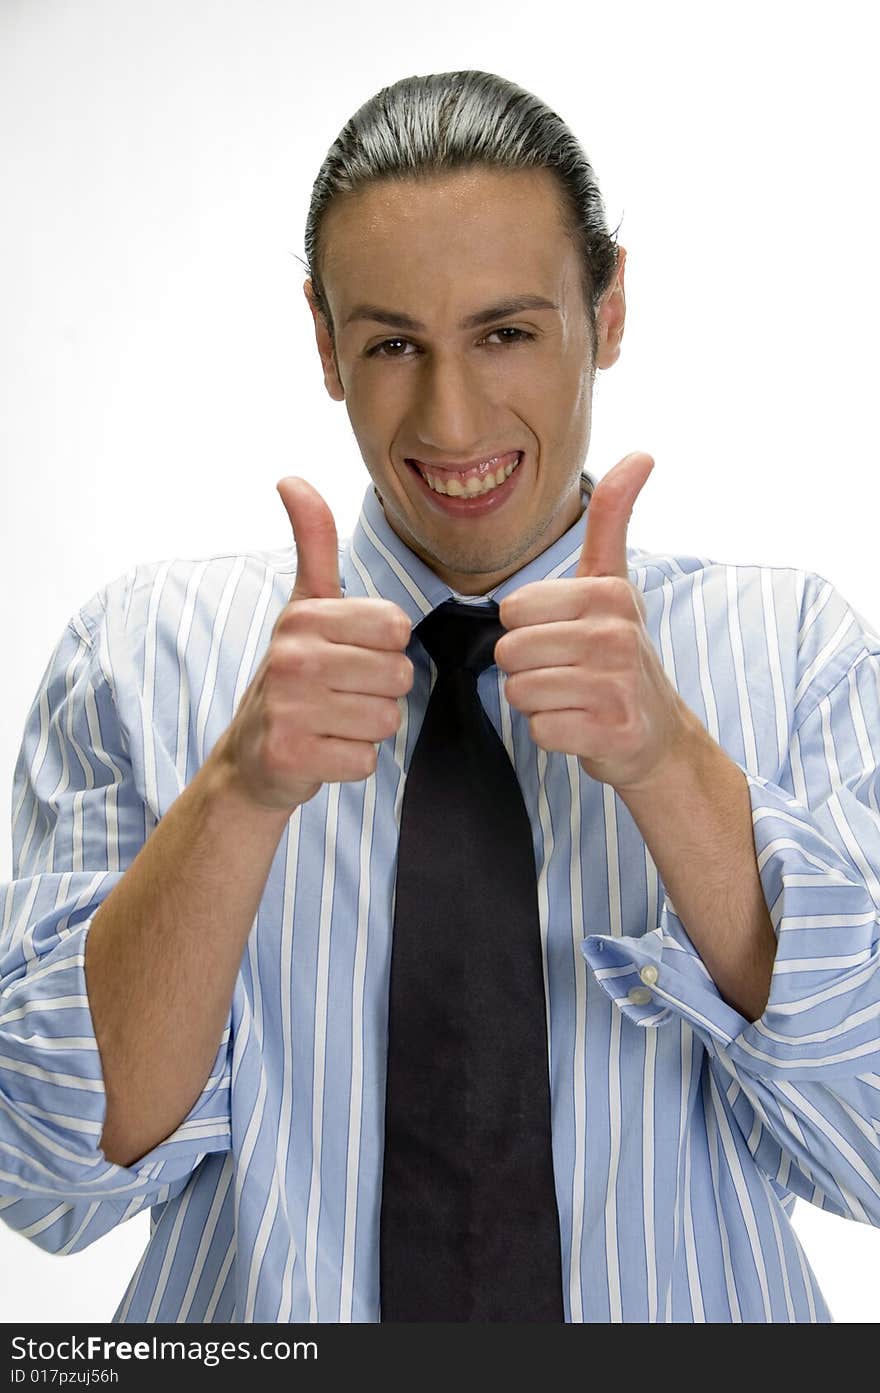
(639, 996)
(649, 975)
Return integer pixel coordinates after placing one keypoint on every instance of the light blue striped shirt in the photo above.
(681, 1131)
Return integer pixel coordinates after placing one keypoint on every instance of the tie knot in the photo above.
(461, 636)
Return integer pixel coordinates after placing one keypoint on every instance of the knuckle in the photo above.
(605, 632)
(365, 761)
(276, 748)
(391, 719)
(630, 739)
(618, 636)
(307, 616)
(296, 658)
(305, 611)
(292, 616)
(399, 626)
(282, 619)
(614, 589)
(279, 655)
(629, 717)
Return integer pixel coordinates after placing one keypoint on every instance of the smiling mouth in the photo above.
(478, 479)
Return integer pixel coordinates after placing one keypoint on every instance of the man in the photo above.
(195, 1011)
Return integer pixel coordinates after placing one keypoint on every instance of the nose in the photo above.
(452, 414)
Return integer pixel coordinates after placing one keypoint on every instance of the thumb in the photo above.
(317, 545)
(608, 514)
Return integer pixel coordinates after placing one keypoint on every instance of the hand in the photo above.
(326, 690)
(582, 666)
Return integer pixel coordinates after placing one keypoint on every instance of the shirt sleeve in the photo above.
(78, 821)
(802, 1081)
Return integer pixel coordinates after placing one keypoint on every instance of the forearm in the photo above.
(695, 817)
(163, 952)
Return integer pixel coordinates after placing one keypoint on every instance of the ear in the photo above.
(326, 349)
(610, 316)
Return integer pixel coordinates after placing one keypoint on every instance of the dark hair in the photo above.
(444, 121)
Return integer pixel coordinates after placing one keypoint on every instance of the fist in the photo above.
(581, 663)
(326, 692)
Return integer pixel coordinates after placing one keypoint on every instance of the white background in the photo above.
(157, 365)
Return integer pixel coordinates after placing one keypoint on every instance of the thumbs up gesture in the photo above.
(326, 690)
(580, 662)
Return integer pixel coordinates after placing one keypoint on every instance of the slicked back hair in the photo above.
(425, 126)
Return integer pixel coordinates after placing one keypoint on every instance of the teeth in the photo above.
(454, 488)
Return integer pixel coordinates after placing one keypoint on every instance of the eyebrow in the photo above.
(501, 310)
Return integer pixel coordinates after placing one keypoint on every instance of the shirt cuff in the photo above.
(52, 1097)
(820, 1021)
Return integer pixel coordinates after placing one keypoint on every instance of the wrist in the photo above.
(686, 754)
(230, 789)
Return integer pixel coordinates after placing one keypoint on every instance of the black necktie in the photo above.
(469, 1227)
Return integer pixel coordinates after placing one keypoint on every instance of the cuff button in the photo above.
(639, 996)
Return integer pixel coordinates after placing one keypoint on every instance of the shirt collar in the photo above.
(375, 562)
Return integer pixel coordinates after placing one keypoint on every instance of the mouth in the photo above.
(471, 493)
(473, 480)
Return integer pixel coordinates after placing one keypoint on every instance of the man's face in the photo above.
(407, 269)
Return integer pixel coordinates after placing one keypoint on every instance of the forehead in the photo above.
(443, 240)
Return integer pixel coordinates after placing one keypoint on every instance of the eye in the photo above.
(521, 335)
(381, 350)
(396, 347)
